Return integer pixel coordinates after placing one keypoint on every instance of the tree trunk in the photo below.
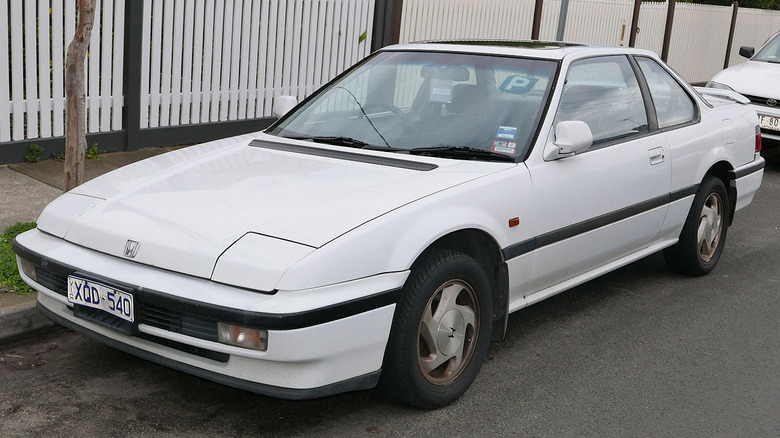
(75, 115)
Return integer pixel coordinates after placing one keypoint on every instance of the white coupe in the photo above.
(381, 231)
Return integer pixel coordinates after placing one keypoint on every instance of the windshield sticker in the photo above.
(507, 132)
(504, 147)
(441, 90)
(516, 84)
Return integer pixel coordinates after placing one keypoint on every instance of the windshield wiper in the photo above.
(346, 141)
(461, 151)
(334, 140)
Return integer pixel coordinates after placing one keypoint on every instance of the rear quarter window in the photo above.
(673, 106)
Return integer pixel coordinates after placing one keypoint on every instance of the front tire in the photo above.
(704, 233)
(441, 331)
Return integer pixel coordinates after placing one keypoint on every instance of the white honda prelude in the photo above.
(382, 230)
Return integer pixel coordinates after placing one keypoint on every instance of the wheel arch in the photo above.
(724, 171)
(483, 248)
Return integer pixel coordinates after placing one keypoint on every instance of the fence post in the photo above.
(562, 20)
(387, 23)
(537, 24)
(634, 23)
(735, 9)
(395, 24)
(668, 30)
(134, 23)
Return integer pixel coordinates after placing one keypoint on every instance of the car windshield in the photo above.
(770, 52)
(466, 106)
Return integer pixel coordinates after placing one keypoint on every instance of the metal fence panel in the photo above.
(753, 28)
(477, 19)
(652, 22)
(700, 32)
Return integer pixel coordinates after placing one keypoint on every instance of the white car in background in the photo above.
(381, 231)
(758, 79)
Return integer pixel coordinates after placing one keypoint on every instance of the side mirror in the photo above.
(571, 137)
(747, 51)
(283, 104)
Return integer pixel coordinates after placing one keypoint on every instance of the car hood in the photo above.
(754, 78)
(187, 207)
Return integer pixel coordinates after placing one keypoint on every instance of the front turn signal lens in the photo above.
(29, 269)
(245, 337)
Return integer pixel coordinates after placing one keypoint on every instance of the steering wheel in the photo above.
(400, 115)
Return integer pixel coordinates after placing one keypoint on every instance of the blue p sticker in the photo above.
(516, 84)
(508, 132)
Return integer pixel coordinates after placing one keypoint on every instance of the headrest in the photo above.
(465, 96)
(451, 72)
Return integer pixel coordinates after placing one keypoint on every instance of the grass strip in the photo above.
(9, 275)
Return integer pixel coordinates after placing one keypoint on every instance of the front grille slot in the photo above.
(53, 281)
(177, 322)
(759, 101)
(199, 327)
(160, 318)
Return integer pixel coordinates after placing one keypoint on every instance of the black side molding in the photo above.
(344, 155)
(750, 169)
(567, 232)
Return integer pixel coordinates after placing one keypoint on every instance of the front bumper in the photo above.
(767, 111)
(320, 341)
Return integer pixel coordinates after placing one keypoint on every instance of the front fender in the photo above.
(393, 241)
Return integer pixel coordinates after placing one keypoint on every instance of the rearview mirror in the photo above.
(747, 51)
(571, 137)
(283, 105)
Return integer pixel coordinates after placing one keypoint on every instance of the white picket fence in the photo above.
(699, 35)
(32, 93)
(203, 60)
(212, 61)
(753, 28)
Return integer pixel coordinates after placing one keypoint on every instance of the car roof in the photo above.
(525, 48)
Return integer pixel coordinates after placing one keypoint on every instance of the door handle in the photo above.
(656, 156)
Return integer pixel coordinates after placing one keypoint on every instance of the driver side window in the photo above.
(604, 93)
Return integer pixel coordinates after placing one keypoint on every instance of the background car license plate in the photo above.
(769, 122)
(99, 296)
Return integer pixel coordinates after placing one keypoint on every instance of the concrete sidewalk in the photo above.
(25, 189)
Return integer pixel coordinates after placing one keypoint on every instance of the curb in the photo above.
(21, 319)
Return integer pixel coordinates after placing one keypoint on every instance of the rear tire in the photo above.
(441, 331)
(704, 233)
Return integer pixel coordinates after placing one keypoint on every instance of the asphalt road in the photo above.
(638, 352)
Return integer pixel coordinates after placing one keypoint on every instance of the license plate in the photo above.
(99, 296)
(769, 122)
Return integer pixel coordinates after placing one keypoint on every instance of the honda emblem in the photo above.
(131, 248)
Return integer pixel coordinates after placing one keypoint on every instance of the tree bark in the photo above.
(75, 114)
